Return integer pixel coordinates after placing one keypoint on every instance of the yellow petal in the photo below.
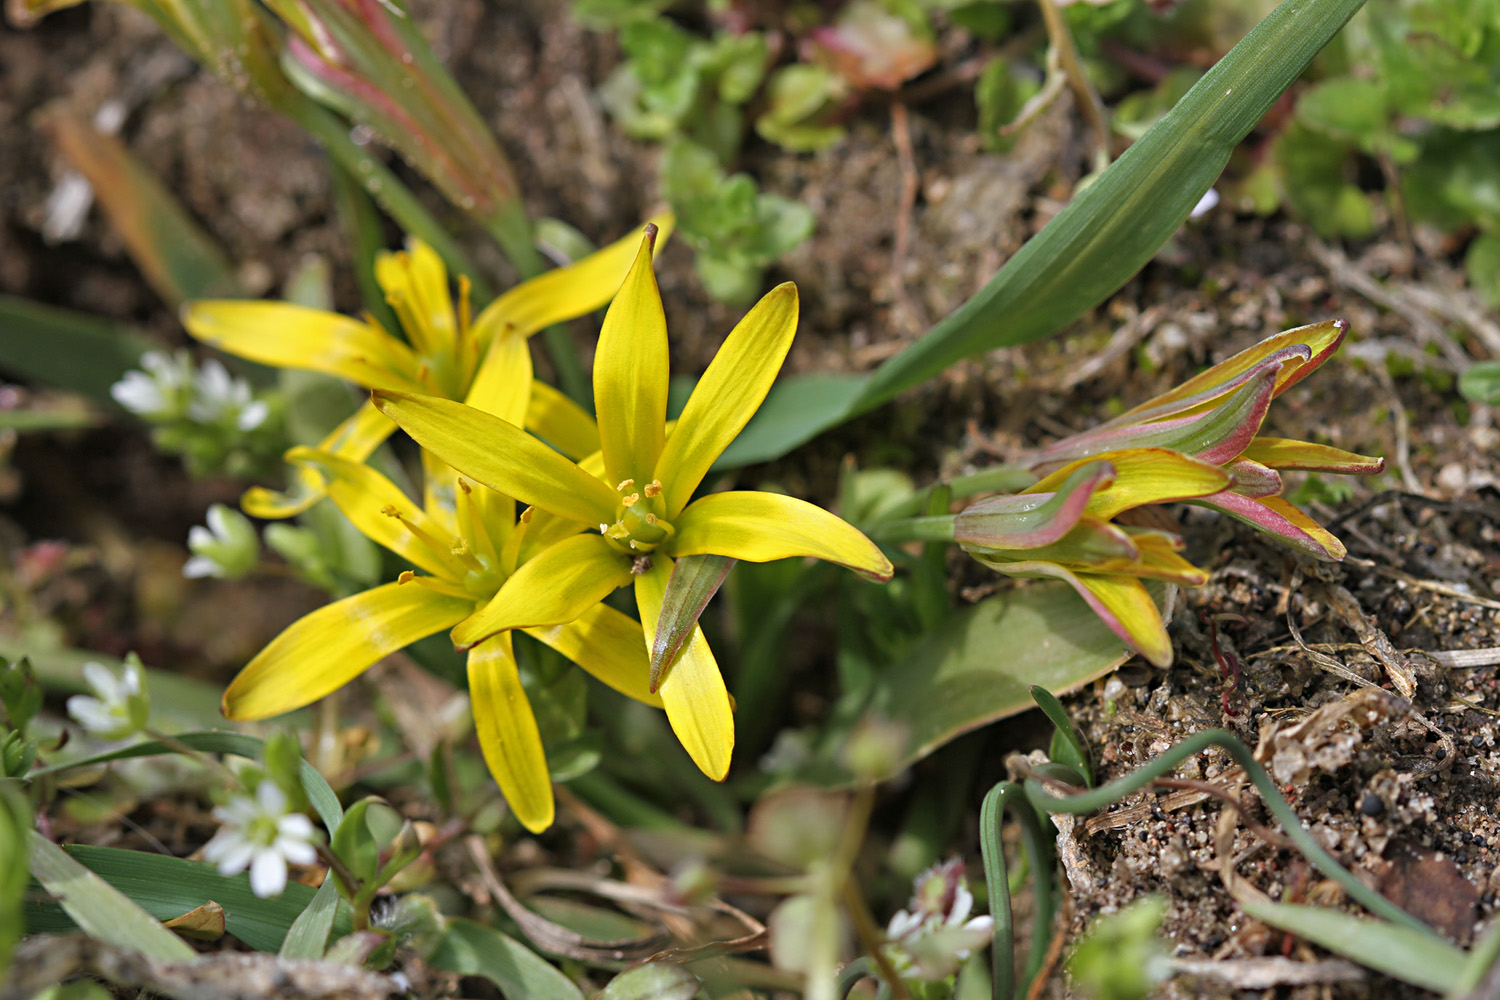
(502, 386)
(728, 394)
(1121, 602)
(630, 375)
(607, 644)
(283, 335)
(558, 585)
(416, 286)
(355, 439)
(500, 455)
(561, 422)
(1142, 476)
(323, 651)
(692, 689)
(364, 496)
(759, 527)
(1322, 339)
(508, 734)
(1280, 453)
(567, 292)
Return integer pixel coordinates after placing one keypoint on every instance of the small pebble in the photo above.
(1371, 805)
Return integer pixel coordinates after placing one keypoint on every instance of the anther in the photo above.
(391, 510)
(652, 488)
(626, 484)
(631, 500)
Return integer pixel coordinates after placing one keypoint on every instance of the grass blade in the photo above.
(472, 949)
(101, 910)
(1420, 959)
(159, 887)
(67, 349)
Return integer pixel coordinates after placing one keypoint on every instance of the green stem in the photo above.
(995, 479)
(914, 529)
(1085, 802)
(385, 188)
(1039, 853)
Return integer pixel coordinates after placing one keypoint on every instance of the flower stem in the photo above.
(915, 529)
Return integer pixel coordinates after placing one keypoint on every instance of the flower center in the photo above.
(639, 525)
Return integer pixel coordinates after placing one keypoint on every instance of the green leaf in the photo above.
(981, 665)
(100, 909)
(694, 581)
(652, 981)
(323, 799)
(1109, 230)
(15, 828)
(472, 949)
(1480, 383)
(798, 409)
(166, 887)
(31, 421)
(1482, 264)
(1420, 959)
(1067, 747)
(67, 349)
(308, 935)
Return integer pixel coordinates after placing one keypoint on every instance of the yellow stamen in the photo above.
(652, 488)
(626, 484)
(631, 500)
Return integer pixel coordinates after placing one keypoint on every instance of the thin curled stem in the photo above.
(1097, 798)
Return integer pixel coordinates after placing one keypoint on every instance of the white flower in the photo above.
(156, 392)
(932, 939)
(228, 548)
(1205, 204)
(218, 395)
(260, 834)
(118, 707)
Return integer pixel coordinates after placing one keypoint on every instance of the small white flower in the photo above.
(118, 707)
(932, 939)
(228, 548)
(259, 834)
(218, 396)
(157, 390)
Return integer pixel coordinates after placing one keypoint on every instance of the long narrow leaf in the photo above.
(1095, 244)
(178, 259)
(323, 799)
(472, 949)
(101, 910)
(67, 349)
(308, 935)
(165, 887)
(1420, 959)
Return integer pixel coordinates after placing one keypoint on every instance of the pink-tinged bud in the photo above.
(1031, 520)
(366, 59)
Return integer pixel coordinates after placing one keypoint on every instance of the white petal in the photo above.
(271, 798)
(253, 415)
(198, 567)
(267, 873)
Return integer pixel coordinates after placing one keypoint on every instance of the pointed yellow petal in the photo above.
(355, 439)
(502, 386)
(365, 496)
(569, 291)
(544, 531)
(1277, 517)
(1321, 339)
(416, 286)
(1142, 476)
(557, 586)
(1121, 602)
(759, 527)
(561, 422)
(728, 395)
(283, 335)
(607, 644)
(692, 690)
(630, 375)
(1281, 453)
(500, 455)
(508, 734)
(323, 651)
